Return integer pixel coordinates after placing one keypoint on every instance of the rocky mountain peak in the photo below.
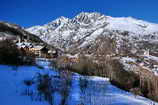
(58, 22)
(87, 18)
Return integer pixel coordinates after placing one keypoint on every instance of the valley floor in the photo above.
(84, 90)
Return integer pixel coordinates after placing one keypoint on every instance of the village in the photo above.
(41, 50)
(38, 49)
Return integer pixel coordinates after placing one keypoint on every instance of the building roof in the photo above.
(38, 47)
(24, 44)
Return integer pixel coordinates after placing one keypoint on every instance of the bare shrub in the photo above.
(28, 83)
(120, 77)
(61, 63)
(85, 66)
(136, 91)
(148, 84)
(83, 83)
(44, 87)
(66, 77)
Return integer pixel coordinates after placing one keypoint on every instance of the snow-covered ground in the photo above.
(96, 91)
(99, 90)
(75, 92)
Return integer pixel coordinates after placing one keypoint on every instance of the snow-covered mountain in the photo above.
(85, 28)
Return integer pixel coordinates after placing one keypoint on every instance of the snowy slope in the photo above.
(98, 91)
(132, 25)
(11, 86)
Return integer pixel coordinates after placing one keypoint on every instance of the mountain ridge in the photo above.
(83, 30)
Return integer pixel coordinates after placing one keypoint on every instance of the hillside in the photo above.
(99, 91)
(123, 49)
(21, 37)
(13, 31)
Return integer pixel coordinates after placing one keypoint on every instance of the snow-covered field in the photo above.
(83, 90)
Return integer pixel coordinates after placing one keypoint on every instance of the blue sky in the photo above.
(37, 12)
